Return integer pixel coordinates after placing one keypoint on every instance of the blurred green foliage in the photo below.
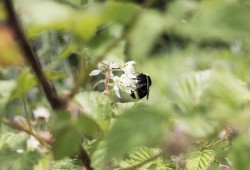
(196, 53)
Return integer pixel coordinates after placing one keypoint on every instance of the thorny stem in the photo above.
(48, 88)
(14, 125)
(107, 75)
(141, 163)
(26, 112)
(212, 144)
(55, 101)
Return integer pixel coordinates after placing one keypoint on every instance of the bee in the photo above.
(143, 82)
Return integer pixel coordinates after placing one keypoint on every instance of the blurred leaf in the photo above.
(61, 17)
(43, 163)
(97, 152)
(65, 132)
(146, 31)
(199, 126)
(97, 106)
(66, 164)
(55, 75)
(200, 160)
(64, 137)
(25, 81)
(67, 51)
(239, 152)
(129, 131)
(228, 89)
(199, 22)
(88, 126)
(190, 89)
(6, 86)
(71, 130)
(137, 156)
(11, 140)
(21, 161)
(120, 108)
(28, 160)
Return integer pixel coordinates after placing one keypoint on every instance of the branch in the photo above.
(55, 101)
(31, 58)
(212, 144)
(18, 127)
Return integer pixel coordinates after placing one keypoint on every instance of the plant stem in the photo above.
(212, 144)
(48, 88)
(28, 131)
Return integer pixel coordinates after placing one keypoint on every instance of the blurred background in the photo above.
(195, 51)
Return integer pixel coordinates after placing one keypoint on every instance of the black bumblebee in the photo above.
(142, 86)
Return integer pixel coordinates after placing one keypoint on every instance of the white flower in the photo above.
(94, 73)
(102, 67)
(20, 151)
(123, 83)
(32, 143)
(126, 83)
(116, 80)
(129, 69)
(41, 113)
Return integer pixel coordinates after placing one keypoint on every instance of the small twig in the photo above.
(107, 75)
(26, 112)
(49, 90)
(18, 127)
(85, 159)
(141, 163)
(212, 144)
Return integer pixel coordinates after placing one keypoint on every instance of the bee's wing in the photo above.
(147, 87)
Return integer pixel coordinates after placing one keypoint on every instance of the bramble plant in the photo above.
(68, 68)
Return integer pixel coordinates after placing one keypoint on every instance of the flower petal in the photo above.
(94, 72)
(117, 92)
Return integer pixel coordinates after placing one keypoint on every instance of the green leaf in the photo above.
(239, 152)
(97, 106)
(6, 86)
(120, 108)
(71, 130)
(63, 138)
(25, 81)
(137, 156)
(198, 126)
(66, 164)
(200, 160)
(11, 140)
(88, 126)
(228, 90)
(43, 163)
(21, 161)
(28, 160)
(190, 89)
(129, 131)
(65, 132)
(97, 151)
(82, 22)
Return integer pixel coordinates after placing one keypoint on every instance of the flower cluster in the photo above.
(125, 82)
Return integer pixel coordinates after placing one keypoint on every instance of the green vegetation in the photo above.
(55, 116)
